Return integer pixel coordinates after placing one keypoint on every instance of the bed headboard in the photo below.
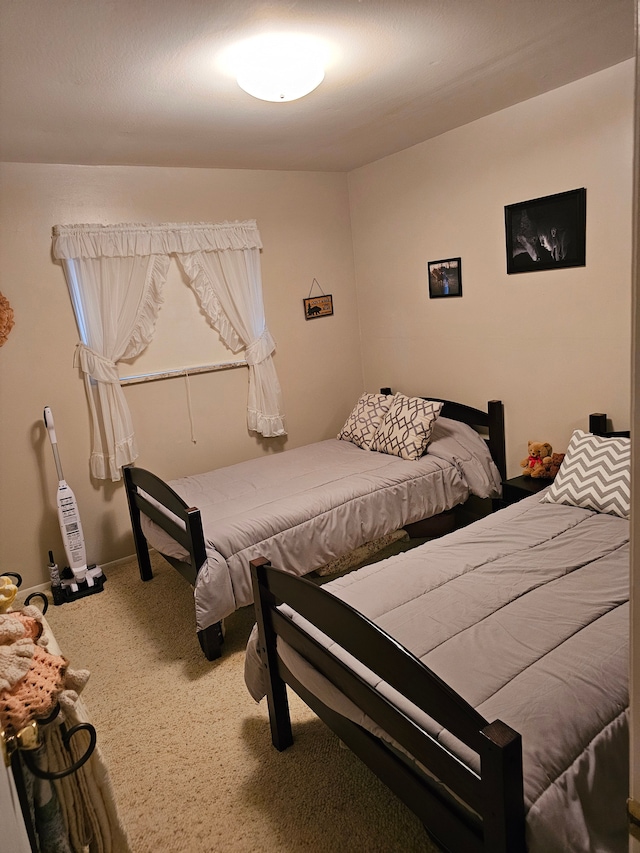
(598, 426)
(489, 424)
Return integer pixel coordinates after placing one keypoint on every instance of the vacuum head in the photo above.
(70, 588)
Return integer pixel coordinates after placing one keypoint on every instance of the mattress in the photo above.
(525, 615)
(308, 506)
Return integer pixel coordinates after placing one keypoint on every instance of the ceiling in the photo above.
(138, 82)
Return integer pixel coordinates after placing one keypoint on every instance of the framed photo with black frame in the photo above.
(445, 278)
(547, 233)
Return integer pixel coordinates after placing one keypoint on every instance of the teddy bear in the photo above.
(539, 454)
(548, 470)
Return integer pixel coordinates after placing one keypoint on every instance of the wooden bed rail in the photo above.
(493, 819)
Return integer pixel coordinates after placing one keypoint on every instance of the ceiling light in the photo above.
(278, 67)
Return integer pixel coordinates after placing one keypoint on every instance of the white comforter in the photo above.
(305, 507)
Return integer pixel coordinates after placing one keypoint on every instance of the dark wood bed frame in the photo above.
(493, 820)
(598, 426)
(490, 424)
(464, 811)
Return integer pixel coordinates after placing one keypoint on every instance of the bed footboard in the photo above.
(168, 511)
(460, 809)
(182, 523)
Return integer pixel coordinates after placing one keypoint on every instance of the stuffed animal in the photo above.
(548, 470)
(8, 591)
(539, 454)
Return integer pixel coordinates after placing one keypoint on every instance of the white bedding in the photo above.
(305, 507)
(525, 615)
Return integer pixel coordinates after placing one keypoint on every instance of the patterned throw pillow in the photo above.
(595, 474)
(406, 428)
(361, 425)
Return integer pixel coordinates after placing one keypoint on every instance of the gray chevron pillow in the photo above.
(595, 474)
(361, 425)
(406, 428)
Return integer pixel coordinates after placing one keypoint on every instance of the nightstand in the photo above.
(521, 487)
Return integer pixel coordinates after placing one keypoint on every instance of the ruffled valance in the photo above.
(122, 241)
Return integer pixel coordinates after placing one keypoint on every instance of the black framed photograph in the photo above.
(547, 233)
(445, 278)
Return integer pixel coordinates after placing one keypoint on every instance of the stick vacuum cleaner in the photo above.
(77, 579)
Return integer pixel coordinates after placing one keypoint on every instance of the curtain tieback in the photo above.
(97, 366)
(260, 349)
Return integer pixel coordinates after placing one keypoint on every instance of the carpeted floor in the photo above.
(189, 751)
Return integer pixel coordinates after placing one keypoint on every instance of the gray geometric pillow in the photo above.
(361, 425)
(595, 474)
(406, 429)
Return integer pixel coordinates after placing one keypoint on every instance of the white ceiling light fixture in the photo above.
(278, 67)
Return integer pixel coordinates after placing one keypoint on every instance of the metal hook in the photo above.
(45, 600)
(43, 721)
(66, 738)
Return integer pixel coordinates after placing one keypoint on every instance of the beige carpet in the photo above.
(189, 751)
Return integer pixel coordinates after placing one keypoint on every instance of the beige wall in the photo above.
(553, 345)
(304, 223)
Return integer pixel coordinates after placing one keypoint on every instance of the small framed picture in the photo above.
(318, 306)
(546, 233)
(445, 278)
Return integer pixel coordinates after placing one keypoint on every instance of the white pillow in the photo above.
(361, 425)
(595, 474)
(406, 428)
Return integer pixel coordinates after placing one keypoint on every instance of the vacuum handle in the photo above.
(48, 420)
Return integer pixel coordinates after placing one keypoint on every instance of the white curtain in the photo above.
(115, 275)
(229, 287)
(116, 302)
